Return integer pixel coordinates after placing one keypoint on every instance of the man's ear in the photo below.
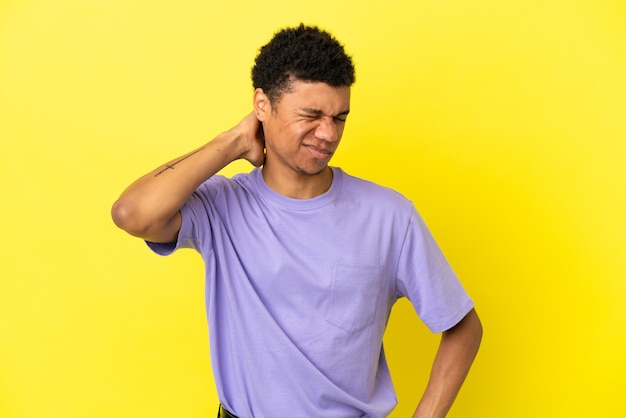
(262, 105)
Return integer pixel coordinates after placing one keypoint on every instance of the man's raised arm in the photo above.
(150, 207)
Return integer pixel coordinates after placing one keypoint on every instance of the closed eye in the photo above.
(315, 114)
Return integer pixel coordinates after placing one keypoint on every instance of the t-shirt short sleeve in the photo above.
(189, 236)
(427, 280)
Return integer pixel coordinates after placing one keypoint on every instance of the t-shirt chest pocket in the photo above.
(354, 296)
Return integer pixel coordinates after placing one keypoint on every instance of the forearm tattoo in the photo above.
(171, 166)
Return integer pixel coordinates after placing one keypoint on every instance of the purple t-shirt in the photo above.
(298, 292)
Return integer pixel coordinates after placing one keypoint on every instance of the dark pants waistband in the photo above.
(224, 413)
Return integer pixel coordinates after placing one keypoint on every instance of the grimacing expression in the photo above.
(303, 128)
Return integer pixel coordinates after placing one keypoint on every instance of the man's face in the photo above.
(302, 131)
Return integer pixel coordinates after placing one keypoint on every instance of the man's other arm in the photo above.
(456, 353)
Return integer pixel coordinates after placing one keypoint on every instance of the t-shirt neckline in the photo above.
(299, 204)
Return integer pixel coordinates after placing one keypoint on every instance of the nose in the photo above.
(327, 130)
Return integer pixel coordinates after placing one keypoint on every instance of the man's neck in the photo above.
(298, 186)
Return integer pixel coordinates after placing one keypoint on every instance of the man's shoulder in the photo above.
(360, 183)
(221, 182)
(372, 192)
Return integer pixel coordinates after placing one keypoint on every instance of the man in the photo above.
(303, 262)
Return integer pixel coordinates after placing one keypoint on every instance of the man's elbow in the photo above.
(125, 216)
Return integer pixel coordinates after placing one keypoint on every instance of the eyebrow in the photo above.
(318, 112)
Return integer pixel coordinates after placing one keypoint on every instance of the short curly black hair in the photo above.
(305, 53)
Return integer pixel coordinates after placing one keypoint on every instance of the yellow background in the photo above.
(504, 121)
